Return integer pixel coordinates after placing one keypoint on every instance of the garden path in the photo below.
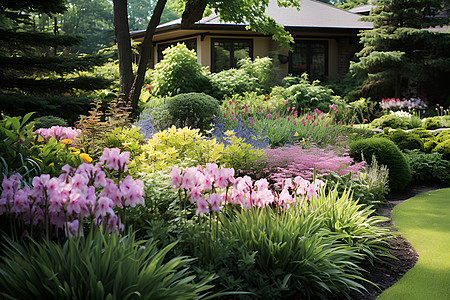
(387, 272)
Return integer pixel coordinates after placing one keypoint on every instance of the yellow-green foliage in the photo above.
(179, 146)
(186, 147)
(126, 139)
(238, 154)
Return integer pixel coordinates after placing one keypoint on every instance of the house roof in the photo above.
(312, 14)
(362, 9)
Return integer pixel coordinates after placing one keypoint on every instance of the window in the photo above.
(310, 57)
(225, 53)
(190, 44)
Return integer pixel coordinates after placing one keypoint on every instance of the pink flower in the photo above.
(195, 195)
(202, 206)
(104, 207)
(215, 201)
(175, 175)
(302, 185)
(261, 184)
(73, 228)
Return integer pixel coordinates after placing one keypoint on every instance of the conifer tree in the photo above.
(31, 61)
(401, 57)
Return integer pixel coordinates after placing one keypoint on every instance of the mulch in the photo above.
(388, 271)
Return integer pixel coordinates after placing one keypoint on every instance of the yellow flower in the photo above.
(229, 132)
(354, 133)
(86, 157)
(66, 141)
(296, 134)
(40, 139)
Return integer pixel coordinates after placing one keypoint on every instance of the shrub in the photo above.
(405, 140)
(251, 76)
(390, 121)
(443, 136)
(230, 82)
(307, 95)
(179, 146)
(422, 133)
(428, 167)
(97, 267)
(429, 146)
(261, 69)
(432, 123)
(444, 149)
(386, 153)
(178, 72)
(193, 109)
(49, 121)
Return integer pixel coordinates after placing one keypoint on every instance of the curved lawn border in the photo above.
(424, 220)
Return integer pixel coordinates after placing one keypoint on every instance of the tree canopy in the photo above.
(401, 57)
(32, 61)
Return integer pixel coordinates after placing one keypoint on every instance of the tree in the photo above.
(349, 4)
(240, 11)
(140, 12)
(31, 61)
(400, 56)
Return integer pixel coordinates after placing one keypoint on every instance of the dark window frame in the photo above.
(232, 40)
(163, 46)
(308, 56)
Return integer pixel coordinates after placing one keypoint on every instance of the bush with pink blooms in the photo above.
(98, 195)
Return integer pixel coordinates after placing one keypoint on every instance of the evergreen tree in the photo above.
(32, 61)
(401, 57)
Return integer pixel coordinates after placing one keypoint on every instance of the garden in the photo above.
(220, 185)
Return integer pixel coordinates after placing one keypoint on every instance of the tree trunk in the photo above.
(147, 48)
(122, 34)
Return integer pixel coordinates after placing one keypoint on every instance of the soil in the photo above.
(388, 271)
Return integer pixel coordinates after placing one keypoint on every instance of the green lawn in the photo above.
(424, 221)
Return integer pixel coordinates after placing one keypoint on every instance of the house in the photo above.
(325, 40)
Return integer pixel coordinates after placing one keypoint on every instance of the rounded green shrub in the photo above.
(422, 133)
(406, 140)
(429, 146)
(391, 121)
(386, 153)
(178, 72)
(49, 121)
(442, 136)
(193, 109)
(432, 123)
(444, 149)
